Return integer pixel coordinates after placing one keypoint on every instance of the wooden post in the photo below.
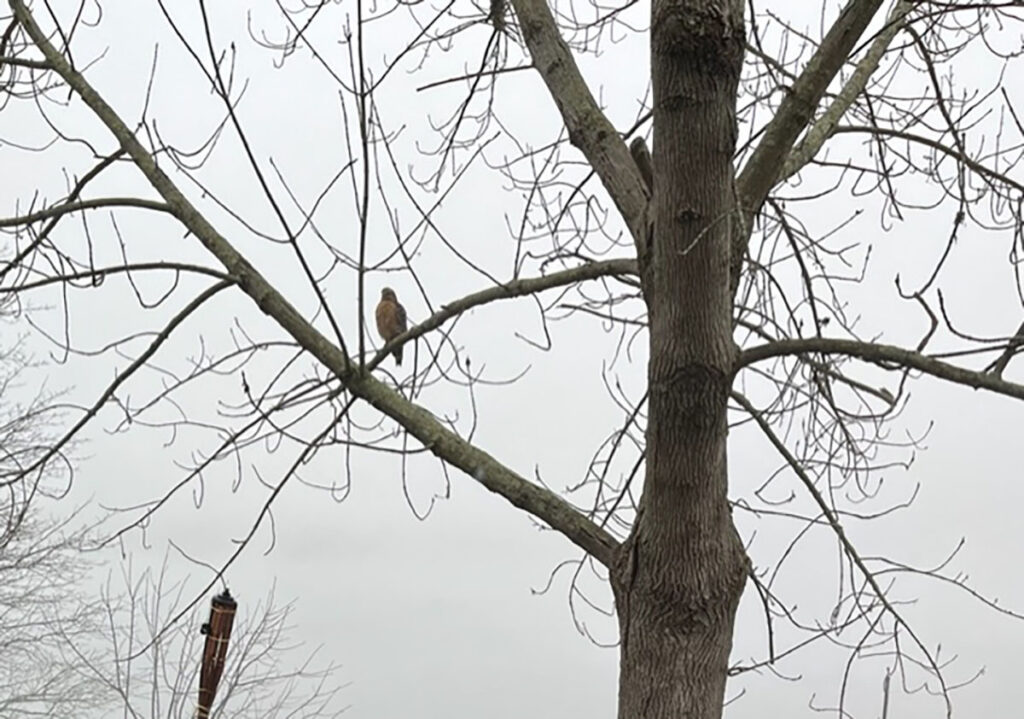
(218, 633)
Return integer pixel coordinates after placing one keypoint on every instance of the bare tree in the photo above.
(731, 261)
(43, 605)
(146, 670)
(67, 653)
(42, 598)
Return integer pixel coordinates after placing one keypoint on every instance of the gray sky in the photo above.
(441, 617)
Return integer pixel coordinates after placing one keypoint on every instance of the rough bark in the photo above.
(680, 575)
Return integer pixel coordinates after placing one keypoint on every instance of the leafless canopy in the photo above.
(232, 218)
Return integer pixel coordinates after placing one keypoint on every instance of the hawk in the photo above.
(391, 320)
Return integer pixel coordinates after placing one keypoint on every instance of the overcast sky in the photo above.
(442, 616)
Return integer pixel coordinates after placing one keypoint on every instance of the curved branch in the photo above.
(21, 62)
(882, 355)
(69, 207)
(957, 155)
(485, 469)
(98, 274)
(443, 443)
(795, 113)
(76, 191)
(515, 288)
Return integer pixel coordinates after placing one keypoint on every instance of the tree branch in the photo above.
(121, 378)
(515, 288)
(445, 444)
(883, 354)
(21, 62)
(98, 274)
(589, 129)
(967, 161)
(69, 207)
(492, 474)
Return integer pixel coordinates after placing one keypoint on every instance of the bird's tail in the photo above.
(398, 356)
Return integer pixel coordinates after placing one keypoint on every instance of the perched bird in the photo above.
(391, 320)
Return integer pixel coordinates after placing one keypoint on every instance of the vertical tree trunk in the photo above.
(681, 573)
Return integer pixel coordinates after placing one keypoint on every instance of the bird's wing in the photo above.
(401, 322)
(381, 315)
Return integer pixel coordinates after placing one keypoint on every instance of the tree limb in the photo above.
(98, 274)
(69, 207)
(21, 62)
(492, 474)
(139, 362)
(445, 444)
(967, 161)
(797, 109)
(883, 354)
(515, 288)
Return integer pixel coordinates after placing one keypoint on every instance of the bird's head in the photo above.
(388, 294)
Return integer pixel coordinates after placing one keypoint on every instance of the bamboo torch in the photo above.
(218, 633)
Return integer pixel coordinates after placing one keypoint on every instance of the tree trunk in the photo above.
(679, 578)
